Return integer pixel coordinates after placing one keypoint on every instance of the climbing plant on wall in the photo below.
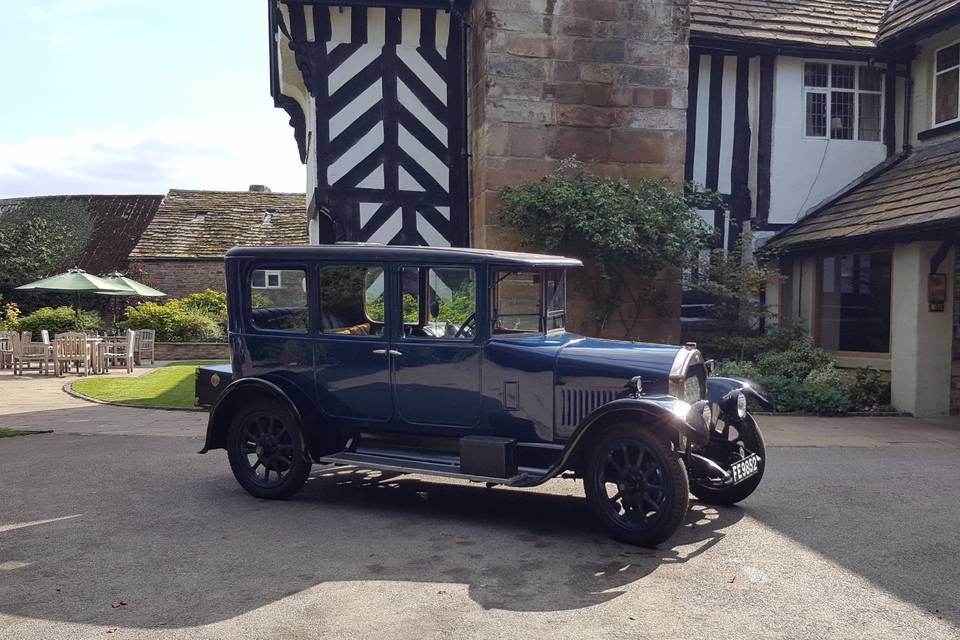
(629, 232)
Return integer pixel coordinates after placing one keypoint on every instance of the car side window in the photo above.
(517, 302)
(439, 302)
(352, 300)
(282, 306)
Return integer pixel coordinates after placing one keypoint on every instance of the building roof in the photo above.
(206, 224)
(417, 254)
(118, 223)
(906, 17)
(920, 193)
(818, 23)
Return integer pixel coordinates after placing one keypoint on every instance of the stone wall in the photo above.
(178, 278)
(604, 80)
(191, 351)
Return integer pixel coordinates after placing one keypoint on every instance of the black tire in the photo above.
(643, 471)
(747, 433)
(267, 452)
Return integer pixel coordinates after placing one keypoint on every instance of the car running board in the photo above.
(412, 465)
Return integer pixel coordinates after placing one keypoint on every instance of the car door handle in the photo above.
(387, 352)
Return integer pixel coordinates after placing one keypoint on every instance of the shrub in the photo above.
(868, 391)
(10, 317)
(796, 361)
(799, 376)
(739, 369)
(622, 229)
(210, 302)
(173, 322)
(58, 320)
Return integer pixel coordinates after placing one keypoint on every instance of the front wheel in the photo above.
(636, 485)
(266, 450)
(739, 440)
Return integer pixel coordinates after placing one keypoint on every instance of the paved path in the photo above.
(113, 527)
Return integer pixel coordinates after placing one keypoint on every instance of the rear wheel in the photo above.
(739, 439)
(266, 450)
(636, 485)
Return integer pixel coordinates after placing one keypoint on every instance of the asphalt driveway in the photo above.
(112, 526)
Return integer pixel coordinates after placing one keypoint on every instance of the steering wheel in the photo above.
(467, 325)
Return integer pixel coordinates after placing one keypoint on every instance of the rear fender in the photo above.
(241, 391)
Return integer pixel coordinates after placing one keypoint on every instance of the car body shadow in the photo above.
(202, 550)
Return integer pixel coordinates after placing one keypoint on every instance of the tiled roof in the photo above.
(118, 222)
(821, 23)
(205, 224)
(906, 15)
(919, 193)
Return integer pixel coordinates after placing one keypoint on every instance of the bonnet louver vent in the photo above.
(576, 403)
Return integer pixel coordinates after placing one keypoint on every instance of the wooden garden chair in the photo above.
(145, 340)
(6, 349)
(122, 349)
(26, 352)
(71, 347)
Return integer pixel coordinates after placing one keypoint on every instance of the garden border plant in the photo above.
(622, 230)
(801, 377)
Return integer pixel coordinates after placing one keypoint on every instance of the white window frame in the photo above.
(828, 91)
(933, 104)
(267, 273)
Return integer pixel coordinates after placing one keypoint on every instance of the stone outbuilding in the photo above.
(181, 250)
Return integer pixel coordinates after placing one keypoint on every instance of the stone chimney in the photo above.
(260, 188)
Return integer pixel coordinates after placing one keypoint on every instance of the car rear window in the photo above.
(278, 300)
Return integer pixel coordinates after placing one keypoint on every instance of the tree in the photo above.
(39, 238)
(622, 230)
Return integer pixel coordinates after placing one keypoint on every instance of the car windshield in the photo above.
(518, 301)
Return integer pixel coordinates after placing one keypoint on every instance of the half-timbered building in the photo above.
(788, 101)
(872, 268)
(410, 115)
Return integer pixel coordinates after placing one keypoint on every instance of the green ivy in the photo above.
(39, 238)
(623, 229)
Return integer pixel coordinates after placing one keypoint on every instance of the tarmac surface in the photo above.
(113, 527)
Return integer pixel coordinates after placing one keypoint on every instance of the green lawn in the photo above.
(169, 386)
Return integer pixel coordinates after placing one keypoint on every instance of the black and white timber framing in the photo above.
(731, 126)
(383, 130)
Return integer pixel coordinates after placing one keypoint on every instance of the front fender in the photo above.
(721, 389)
(230, 400)
(660, 412)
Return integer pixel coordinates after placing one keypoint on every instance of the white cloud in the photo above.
(228, 156)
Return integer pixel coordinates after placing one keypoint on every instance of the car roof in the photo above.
(382, 252)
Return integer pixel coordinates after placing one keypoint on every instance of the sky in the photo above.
(138, 96)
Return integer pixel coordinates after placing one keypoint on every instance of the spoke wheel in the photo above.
(739, 439)
(266, 451)
(636, 485)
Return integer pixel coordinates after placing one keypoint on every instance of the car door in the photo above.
(352, 369)
(436, 360)
(272, 338)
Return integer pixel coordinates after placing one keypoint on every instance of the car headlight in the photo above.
(691, 389)
(741, 406)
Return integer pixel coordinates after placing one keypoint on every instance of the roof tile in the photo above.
(206, 224)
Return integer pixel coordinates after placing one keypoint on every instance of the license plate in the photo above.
(745, 468)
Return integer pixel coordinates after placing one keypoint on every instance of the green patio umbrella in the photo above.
(77, 281)
(137, 288)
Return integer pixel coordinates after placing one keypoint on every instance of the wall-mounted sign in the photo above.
(937, 291)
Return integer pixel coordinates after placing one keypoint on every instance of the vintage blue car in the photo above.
(456, 363)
